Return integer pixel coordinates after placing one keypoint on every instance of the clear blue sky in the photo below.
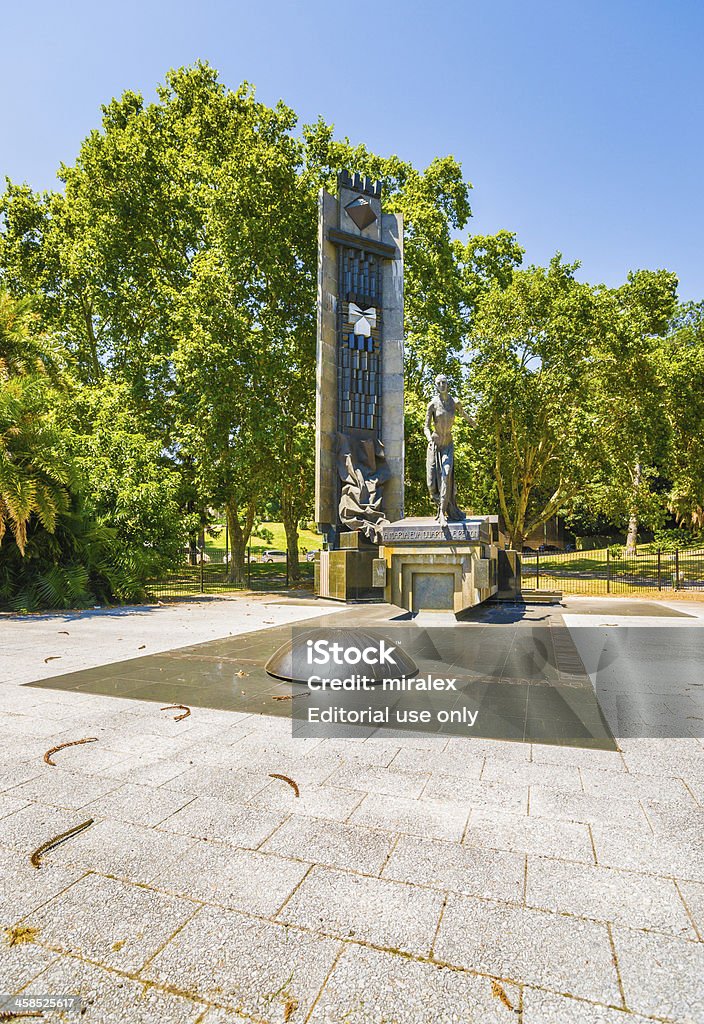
(579, 124)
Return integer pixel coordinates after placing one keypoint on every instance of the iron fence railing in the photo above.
(609, 572)
(209, 572)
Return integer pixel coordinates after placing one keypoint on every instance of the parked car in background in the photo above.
(197, 554)
(273, 556)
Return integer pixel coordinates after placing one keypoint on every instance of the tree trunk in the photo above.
(239, 538)
(632, 537)
(293, 491)
(291, 527)
(516, 529)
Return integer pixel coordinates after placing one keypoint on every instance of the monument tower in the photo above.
(359, 386)
(371, 552)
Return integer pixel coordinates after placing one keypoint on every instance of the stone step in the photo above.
(530, 597)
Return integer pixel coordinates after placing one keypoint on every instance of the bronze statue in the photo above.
(440, 461)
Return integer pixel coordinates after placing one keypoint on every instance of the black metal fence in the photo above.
(209, 572)
(613, 572)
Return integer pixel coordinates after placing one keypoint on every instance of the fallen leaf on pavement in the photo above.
(35, 858)
(500, 993)
(62, 746)
(285, 778)
(178, 707)
(19, 1014)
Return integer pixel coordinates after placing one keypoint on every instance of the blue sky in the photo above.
(579, 124)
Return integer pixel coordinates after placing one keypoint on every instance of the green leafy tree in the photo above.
(127, 482)
(680, 365)
(529, 371)
(181, 259)
(177, 271)
(186, 238)
(634, 432)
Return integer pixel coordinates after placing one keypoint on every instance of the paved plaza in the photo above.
(416, 878)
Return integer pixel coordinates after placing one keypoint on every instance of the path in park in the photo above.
(419, 879)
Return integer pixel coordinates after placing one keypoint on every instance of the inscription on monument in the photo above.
(398, 534)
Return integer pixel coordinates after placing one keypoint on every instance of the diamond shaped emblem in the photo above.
(360, 210)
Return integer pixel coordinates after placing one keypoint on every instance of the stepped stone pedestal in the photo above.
(433, 568)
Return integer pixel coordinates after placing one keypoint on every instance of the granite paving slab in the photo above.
(24, 889)
(123, 849)
(350, 906)
(634, 850)
(662, 976)
(565, 840)
(110, 922)
(331, 843)
(431, 819)
(541, 1007)
(560, 953)
(237, 879)
(108, 996)
(224, 821)
(368, 987)
(246, 964)
(468, 870)
(605, 894)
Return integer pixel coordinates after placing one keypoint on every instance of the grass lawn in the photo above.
(588, 571)
(306, 539)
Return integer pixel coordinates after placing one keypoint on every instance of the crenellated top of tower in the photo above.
(359, 183)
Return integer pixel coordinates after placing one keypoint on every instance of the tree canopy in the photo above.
(172, 286)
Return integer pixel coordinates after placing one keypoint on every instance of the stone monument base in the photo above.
(430, 568)
(509, 576)
(353, 572)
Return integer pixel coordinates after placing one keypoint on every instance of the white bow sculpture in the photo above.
(362, 319)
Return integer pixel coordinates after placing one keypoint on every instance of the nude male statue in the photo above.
(440, 460)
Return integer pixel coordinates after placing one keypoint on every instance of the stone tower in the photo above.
(359, 384)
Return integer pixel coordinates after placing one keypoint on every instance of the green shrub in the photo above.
(78, 565)
(673, 540)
